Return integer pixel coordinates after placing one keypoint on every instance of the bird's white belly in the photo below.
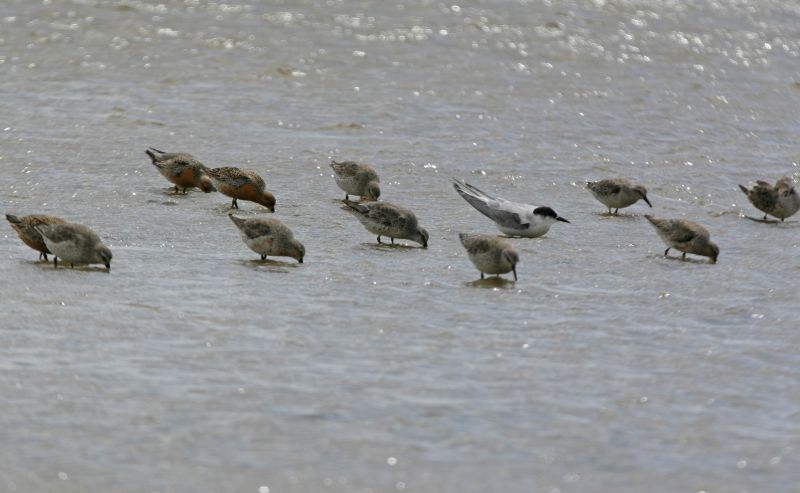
(67, 251)
(263, 245)
(349, 184)
(490, 263)
(533, 231)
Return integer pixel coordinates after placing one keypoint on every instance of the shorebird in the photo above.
(385, 219)
(617, 193)
(269, 237)
(357, 179)
(183, 170)
(242, 184)
(686, 236)
(490, 254)
(511, 218)
(25, 227)
(781, 200)
(75, 244)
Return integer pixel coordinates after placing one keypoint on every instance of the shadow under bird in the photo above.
(25, 226)
(685, 236)
(386, 219)
(242, 184)
(269, 237)
(490, 254)
(617, 193)
(75, 244)
(182, 169)
(357, 179)
(779, 201)
(511, 218)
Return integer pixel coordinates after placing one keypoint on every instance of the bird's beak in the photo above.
(648, 202)
(514, 270)
(562, 220)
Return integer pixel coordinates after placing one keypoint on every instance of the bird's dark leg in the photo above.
(346, 197)
(176, 188)
(666, 251)
(234, 205)
(184, 190)
(782, 219)
(71, 266)
(481, 275)
(765, 217)
(392, 240)
(683, 257)
(379, 239)
(616, 211)
(263, 257)
(55, 262)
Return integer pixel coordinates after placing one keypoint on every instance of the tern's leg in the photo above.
(392, 240)
(683, 257)
(666, 251)
(234, 205)
(379, 239)
(263, 257)
(481, 275)
(55, 262)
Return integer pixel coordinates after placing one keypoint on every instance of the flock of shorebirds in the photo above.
(76, 244)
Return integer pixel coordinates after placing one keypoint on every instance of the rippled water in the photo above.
(194, 367)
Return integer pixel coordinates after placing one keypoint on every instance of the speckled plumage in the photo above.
(685, 236)
(617, 193)
(75, 244)
(490, 254)
(242, 184)
(780, 200)
(357, 179)
(25, 226)
(183, 170)
(385, 219)
(269, 237)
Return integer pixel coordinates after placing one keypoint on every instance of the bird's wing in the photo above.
(682, 234)
(503, 212)
(257, 229)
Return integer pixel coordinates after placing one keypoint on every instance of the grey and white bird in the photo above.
(385, 219)
(357, 179)
(781, 200)
(617, 193)
(490, 254)
(685, 236)
(74, 244)
(511, 218)
(269, 237)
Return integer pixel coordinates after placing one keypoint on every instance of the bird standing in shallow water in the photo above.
(511, 218)
(357, 179)
(686, 236)
(781, 200)
(183, 170)
(269, 237)
(242, 184)
(617, 193)
(75, 244)
(490, 254)
(385, 219)
(25, 227)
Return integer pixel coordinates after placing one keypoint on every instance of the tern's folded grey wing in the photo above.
(505, 218)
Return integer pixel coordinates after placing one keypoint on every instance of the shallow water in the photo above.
(193, 366)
